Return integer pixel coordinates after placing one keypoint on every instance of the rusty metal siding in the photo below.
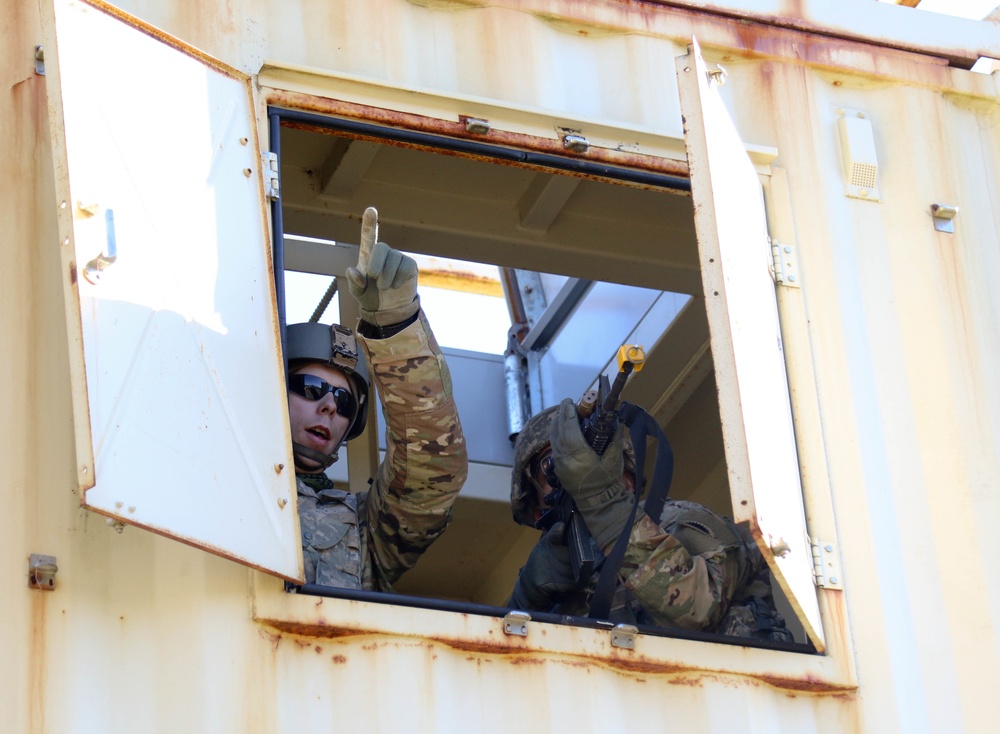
(903, 327)
(143, 634)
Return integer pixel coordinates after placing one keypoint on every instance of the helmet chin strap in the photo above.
(320, 461)
(304, 456)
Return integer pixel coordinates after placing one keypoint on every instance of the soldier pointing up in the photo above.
(369, 539)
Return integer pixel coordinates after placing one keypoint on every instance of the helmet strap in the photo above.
(321, 460)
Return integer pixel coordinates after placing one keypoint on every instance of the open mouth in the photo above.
(320, 432)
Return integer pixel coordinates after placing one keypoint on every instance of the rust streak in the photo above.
(456, 129)
(515, 652)
(797, 22)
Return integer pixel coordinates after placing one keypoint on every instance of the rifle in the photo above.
(599, 418)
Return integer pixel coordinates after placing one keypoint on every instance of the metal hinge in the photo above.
(623, 635)
(785, 264)
(39, 60)
(516, 623)
(272, 185)
(826, 565)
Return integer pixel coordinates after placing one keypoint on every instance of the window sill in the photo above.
(320, 617)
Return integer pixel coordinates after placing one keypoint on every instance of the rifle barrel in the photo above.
(611, 401)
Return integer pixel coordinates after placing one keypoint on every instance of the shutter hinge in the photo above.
(272, 186)
(516, 623)
(826, 565)
(785, 265)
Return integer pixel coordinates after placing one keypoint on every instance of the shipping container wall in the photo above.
(142, 633)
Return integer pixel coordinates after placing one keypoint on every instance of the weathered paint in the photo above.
(960, 40)
(895, 352)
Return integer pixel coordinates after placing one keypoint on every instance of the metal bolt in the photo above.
(718, 74)
(788, 248)
(828, 548)
(833, 580)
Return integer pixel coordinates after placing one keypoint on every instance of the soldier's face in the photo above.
(317, 424)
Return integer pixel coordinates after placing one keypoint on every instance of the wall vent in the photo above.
(857, 144)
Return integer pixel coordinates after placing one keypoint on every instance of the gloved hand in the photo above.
(385, 280)
(548, 576)
(594, 482)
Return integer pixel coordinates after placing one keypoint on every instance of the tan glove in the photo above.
(385, 280)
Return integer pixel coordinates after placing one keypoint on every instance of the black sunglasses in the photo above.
(313, 388)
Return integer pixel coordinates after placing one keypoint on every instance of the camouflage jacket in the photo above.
(369, 539)
(695, 570)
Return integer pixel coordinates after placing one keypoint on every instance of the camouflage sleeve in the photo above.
(410, 503)
(676, 587)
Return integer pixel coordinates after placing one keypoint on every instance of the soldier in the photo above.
(369, 539)
(694, 570)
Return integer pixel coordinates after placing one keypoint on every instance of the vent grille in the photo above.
(864, 175)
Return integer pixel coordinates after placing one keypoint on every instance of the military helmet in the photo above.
(337, 346)
(533, 438)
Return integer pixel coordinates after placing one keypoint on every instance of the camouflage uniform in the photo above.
(694, 570)
(368, 540)
(697, 571)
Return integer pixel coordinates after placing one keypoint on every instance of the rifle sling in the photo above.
(640, 426)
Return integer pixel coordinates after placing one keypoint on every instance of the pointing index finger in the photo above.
(369, 236)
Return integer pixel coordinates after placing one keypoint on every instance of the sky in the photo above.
(977, 9)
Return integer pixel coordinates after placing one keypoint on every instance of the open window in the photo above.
(170, 296)
(590, 257)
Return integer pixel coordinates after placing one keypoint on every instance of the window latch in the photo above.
(516, 623)
(623, 636)
(42, 572)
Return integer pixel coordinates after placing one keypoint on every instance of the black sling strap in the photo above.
(640, 426)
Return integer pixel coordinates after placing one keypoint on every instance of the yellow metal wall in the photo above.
(143, 634)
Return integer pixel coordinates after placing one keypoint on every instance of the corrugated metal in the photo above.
(143, 634)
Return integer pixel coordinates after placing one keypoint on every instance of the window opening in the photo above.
(617, 263)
